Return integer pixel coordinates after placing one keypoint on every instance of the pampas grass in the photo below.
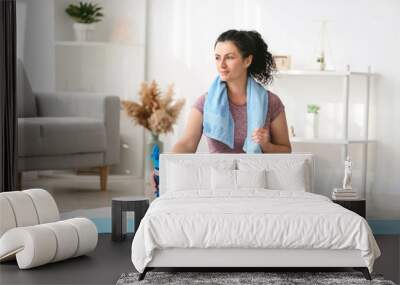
(155, 112)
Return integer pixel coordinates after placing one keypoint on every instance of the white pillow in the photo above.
(251, 178)
(227, 179)
(288, 177)
(289, 174)
(188, 175)
(223, 179)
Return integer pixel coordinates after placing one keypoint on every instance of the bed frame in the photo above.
(248, 258)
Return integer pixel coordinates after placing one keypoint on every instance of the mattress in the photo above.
(250, 219)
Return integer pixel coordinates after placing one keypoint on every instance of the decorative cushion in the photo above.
(188, 175)
(251, 178)
(226, 179)
(223, 179)
(281, 174)
(288, 177)
(45, 136)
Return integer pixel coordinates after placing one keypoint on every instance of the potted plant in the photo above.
(155, 113)
(312, 125)
(85, 16)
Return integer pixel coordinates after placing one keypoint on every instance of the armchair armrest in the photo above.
(102, 106)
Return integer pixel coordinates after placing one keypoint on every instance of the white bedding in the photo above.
(251, 218)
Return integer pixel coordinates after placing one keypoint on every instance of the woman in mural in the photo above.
(238, 114)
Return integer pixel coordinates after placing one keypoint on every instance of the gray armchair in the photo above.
(66, 130)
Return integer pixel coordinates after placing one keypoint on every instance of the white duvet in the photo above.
(252, 218)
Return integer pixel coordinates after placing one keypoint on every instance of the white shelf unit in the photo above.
(329, 141)
(344, 140)
(112, 63)
(323, 73)
(97, 43)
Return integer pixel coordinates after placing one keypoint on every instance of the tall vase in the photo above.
(312, 126)
(154, 140)
(316, 125)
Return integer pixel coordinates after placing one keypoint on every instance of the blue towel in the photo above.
(218, 122)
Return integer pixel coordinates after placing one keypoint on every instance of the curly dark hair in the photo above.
(251, 43)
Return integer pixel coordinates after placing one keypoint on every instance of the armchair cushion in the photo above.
(45, 136)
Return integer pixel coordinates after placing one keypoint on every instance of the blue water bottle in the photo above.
(155, 156)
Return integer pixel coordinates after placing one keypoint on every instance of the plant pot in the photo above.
(312, 126)
(84, 32)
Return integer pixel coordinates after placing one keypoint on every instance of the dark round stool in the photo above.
(119, 207)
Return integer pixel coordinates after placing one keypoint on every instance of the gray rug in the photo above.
(228, 278)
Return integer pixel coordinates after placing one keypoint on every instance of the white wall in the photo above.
(361, 33)
(35, 29)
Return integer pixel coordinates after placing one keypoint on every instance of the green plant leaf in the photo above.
(85, 12)
(312, 108)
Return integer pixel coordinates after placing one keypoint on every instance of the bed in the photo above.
(245, 211)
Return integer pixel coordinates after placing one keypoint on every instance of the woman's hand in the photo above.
(261, 136)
